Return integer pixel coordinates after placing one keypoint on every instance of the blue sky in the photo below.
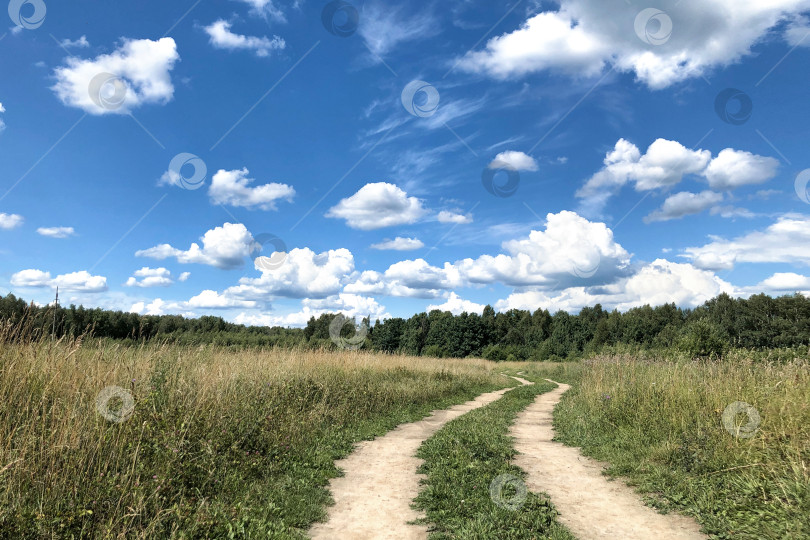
(634, 153)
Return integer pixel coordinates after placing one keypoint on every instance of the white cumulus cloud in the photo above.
(155, 307)
(81, 281)
(80, 43)
(583, 37)
(140, 69)
(784, 241)
(457, 305)
(212, 300)
(571, 249)
(10, 221)
(376, 206)
(225, 247)
(303, 274)
(266, 8)
(350, 305)
(516, 161)
(656, 283)
(56, 232)
(452, 217)
(734, 168)
(684, 204)
(782, 283)
(150, 277)
(399, 244)
(233, 188)
(665, 164)
(221, 37)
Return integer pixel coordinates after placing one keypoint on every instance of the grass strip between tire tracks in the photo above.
(470, 458)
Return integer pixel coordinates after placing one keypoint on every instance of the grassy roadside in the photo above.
(219, 444)
(659, 423)
(461, 462)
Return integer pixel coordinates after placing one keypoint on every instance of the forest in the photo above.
(720, 324)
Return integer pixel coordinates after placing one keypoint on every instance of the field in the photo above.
(659, 421)
(219, 443)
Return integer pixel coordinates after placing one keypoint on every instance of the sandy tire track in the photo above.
(590, 505)
(373, 497)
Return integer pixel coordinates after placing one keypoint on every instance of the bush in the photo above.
(703, 339)
(494, 353)
(435, 351)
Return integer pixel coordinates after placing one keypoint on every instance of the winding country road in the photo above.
(590, 505)
(373, 498)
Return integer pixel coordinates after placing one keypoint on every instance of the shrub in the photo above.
(435, 351)
(494, 353)
(703, 339)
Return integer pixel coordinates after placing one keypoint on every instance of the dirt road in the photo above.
(373, 498)
(590, 505)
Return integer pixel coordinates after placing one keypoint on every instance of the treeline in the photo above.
(758, 322)
(77, 321)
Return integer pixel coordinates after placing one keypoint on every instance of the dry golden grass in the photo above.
(218, 442)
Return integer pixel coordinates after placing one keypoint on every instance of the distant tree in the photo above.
(704, 339)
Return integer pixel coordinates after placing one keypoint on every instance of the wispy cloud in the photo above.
(384, 27)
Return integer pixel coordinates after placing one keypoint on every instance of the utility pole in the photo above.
(55, 309)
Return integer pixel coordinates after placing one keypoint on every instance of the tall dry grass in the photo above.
(660, 422)
(219, 443)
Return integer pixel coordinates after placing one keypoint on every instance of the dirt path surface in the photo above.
(590, 505)
(373, 498)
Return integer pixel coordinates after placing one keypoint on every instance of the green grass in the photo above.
(220, 444)
(658, 421)
(463, 459)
